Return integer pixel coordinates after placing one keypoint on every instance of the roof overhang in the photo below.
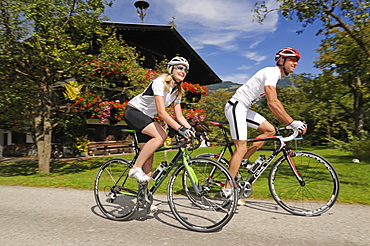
(156, 42)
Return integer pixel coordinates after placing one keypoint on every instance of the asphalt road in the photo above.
(48, 216)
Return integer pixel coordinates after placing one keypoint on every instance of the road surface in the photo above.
(49, 216)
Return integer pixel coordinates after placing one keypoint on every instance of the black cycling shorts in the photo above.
(137, 120)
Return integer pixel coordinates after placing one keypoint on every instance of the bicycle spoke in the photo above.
(318, 192)
(207, 211)
(115, 194)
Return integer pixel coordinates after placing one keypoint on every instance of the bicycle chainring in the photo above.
(244, 188)
(144, 196)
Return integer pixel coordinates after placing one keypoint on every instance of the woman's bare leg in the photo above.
(145, 158)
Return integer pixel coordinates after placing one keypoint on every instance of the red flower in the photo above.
(195, 88)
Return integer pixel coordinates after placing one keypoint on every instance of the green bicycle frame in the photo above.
(181, 154)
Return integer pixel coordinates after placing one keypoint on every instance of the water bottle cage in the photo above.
(258, 165)
(159, 171)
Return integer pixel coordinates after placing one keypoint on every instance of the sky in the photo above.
(225, 34)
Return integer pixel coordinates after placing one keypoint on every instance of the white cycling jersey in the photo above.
(253, 90)
(145, 101)
(237, 110)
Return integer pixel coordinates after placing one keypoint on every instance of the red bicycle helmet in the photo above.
(287, 52)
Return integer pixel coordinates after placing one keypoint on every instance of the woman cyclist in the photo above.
(161, 93)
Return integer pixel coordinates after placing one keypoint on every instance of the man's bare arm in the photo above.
(276, 106)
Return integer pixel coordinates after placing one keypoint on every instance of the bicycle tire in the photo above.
(209, 210)
(223, 161)
(115, 193)
(244, 192)
(316, 195)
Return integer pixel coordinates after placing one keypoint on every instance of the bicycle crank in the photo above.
(144, 197)
(245, 188)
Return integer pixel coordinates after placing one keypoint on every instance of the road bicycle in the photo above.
(301, 182)
(194, 196)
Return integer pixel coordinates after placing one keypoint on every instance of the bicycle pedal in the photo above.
(143, 185)
(241, 202)
(153, 209)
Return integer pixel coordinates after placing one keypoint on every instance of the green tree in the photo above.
(40, 44)
(326, 119)
(17, 103)
(343, 58)
(344, 55)
(116, 66)
(214, 105)
(349, 16)
(345, 81)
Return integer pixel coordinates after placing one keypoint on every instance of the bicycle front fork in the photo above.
(294, 169)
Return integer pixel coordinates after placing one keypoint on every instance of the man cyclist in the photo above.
(239, 115)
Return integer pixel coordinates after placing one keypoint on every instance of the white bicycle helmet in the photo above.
(177, 61)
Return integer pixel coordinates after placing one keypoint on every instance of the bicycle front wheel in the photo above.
(202, 206)
(115, 193)
(318, 190)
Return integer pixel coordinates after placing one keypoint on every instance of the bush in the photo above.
(20, 150)
(359, 148)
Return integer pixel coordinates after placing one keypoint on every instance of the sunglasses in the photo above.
(182, 68)
(293, 59)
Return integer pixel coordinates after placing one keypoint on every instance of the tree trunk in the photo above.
(43, 130)
(359, 118)
(359, 110)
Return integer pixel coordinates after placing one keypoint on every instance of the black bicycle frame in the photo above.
(281, 148)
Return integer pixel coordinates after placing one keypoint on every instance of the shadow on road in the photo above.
(163, 215)
(265, 206)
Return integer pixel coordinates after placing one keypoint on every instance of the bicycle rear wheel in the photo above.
(223, 161)
(205, 210)
(115, 193)
(315, 195)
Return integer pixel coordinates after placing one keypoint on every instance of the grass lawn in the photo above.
(80, 174)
